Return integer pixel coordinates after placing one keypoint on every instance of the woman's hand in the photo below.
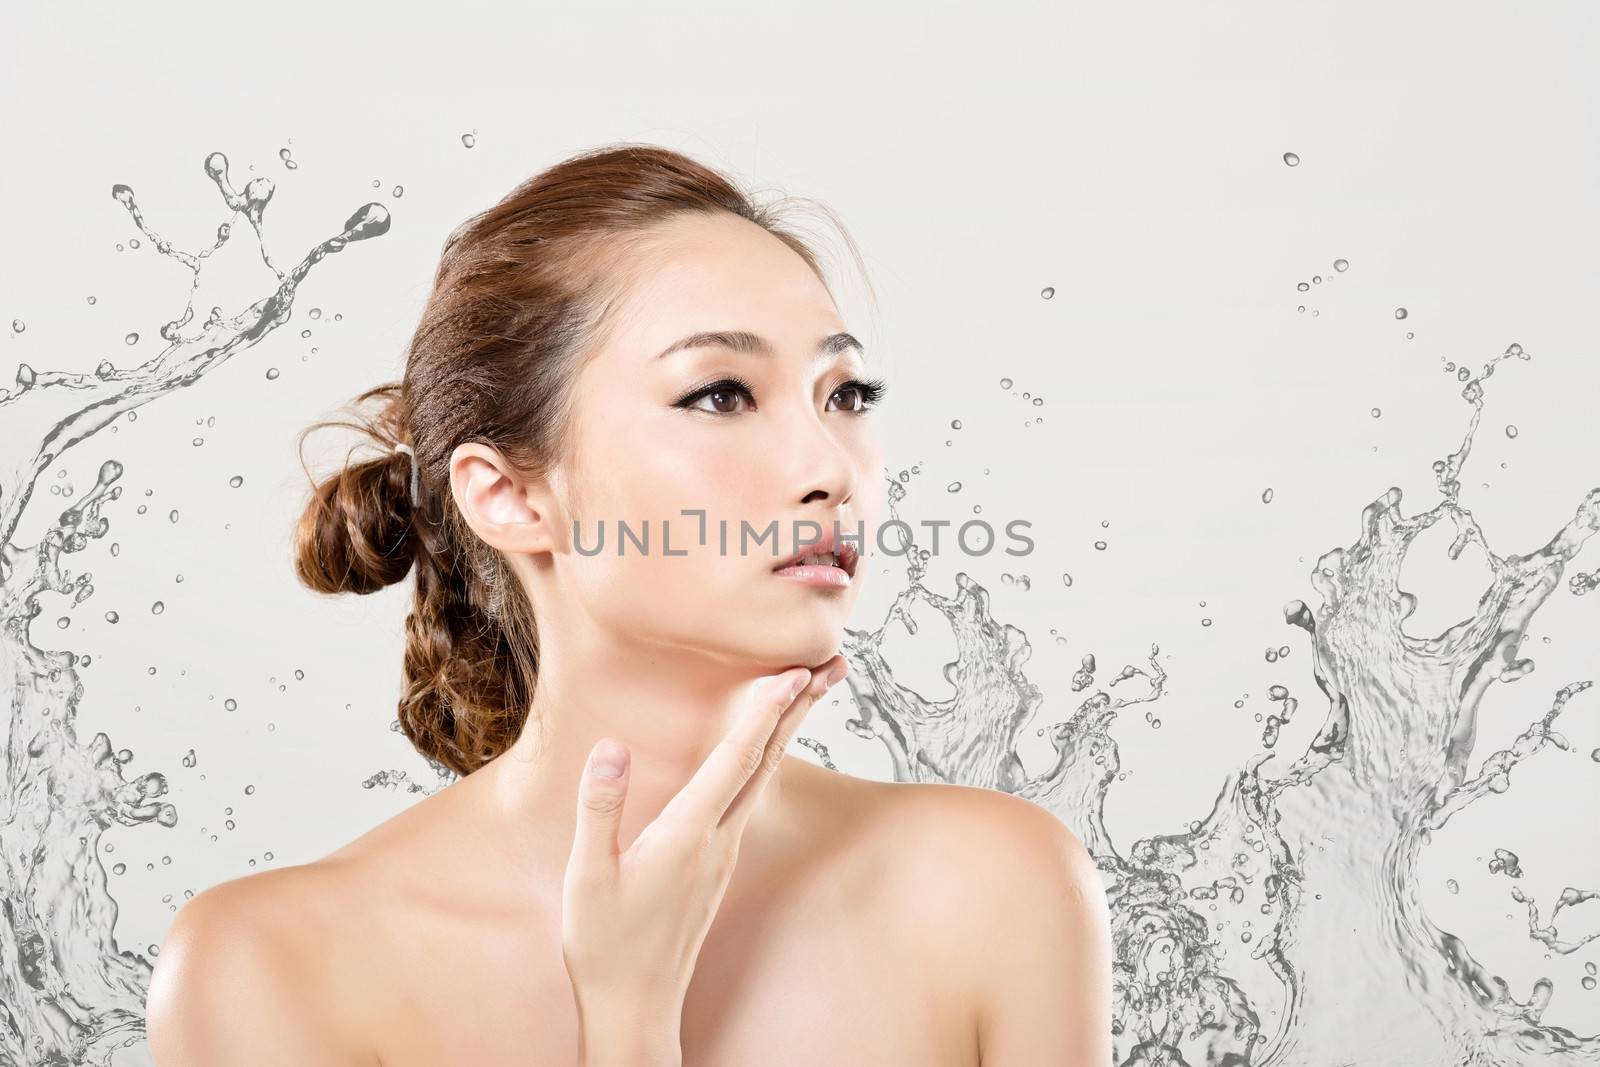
(632, 923)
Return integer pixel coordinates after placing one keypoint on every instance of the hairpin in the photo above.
(415, 495)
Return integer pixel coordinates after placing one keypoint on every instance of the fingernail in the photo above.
(608, 760)
(840, 669)
(800, 682)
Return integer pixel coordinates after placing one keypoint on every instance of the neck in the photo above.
(670, 707)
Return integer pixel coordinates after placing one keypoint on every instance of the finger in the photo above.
(601, 794)
(743, 805)
(701, 802)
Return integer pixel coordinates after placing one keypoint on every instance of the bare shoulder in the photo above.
(977, 841)
(1020, 909)
(242, 976)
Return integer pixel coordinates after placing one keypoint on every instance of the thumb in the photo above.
(601, 793)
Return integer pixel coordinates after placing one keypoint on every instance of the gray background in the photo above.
(1130, 157)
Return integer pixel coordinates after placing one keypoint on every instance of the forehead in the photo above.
(718, 272)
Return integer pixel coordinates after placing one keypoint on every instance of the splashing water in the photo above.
(67, 993)
(1326, 849)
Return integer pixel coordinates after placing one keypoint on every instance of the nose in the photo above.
(824, 471)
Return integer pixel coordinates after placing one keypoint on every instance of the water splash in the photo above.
(1313, 863)
(1317, 861)
(68, 994)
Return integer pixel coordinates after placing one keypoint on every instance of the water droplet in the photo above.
(133, 242)
(157, 608)
(955, 424)
(954, 487)
(1066, 579)
(91, 300)
(468, 140)
(131, 339)
(1341, 264)
(1266, 497)
(1377, 412)
(398, 191)
(1409, 335)
(1399, 313)
(272, 374)
(1303, 286)
(1316, 279)
(173, 515)
(1291, 159)
(1005, 383)
(18, 326)
(1047, 292)
(1511, 431)
(1101, 545)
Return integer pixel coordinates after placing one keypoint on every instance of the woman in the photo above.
(628, 340)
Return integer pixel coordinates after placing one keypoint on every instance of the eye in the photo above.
(866, 392)
(723, 395)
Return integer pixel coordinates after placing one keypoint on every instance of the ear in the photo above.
(508, 510)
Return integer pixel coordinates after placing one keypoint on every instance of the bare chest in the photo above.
(812, 981)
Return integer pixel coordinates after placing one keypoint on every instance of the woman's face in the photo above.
(651, 442)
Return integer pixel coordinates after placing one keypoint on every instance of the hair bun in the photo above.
(355, 533)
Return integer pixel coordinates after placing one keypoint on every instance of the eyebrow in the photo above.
(745, 341)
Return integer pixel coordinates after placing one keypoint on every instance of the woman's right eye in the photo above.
(723, 396)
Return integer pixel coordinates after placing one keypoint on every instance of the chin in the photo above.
(792, 645)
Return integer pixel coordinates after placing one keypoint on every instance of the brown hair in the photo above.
(523, 290)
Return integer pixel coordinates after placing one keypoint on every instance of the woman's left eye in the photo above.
(867, 393)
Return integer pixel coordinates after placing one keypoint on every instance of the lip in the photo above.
(820, 573)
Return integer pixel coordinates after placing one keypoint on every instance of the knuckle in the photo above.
(603, 803)
(751, 757)
(774, 755)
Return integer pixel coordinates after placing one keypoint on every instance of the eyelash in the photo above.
(871, 389)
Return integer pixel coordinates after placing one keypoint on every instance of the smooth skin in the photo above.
(864, 922)
(630, 970)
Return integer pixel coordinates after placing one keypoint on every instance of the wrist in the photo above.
(627, 1036)
(628, 1047)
